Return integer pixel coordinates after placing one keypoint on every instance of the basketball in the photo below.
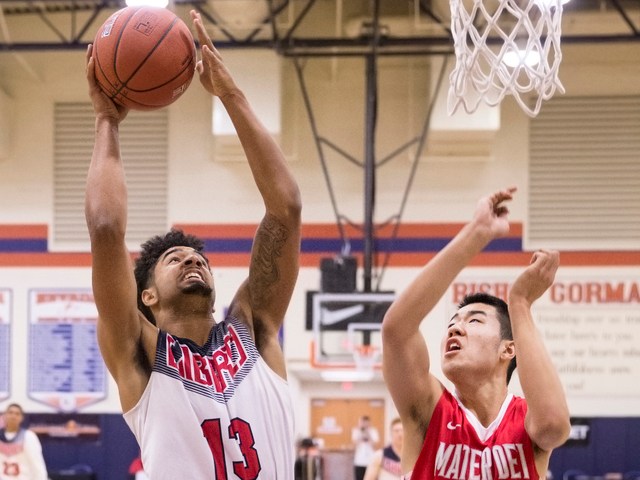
(144, 57)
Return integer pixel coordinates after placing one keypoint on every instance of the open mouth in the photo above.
(193, 275)
(453, 346)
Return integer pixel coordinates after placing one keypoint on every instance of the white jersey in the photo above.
(21, 456)
(364, 440)
(215, 412)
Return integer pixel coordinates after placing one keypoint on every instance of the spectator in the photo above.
(308, 465)
(364, 437)
(20, 450)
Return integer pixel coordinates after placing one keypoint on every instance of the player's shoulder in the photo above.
(517, 403)
(30, 435)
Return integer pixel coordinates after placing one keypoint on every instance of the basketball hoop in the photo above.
(366, 357)
(505, 47)
(366, 360)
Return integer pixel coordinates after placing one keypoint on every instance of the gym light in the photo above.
(514, 58)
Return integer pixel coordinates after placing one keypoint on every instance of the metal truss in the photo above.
(70, 25)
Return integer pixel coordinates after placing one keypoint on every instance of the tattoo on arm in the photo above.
(270, 238)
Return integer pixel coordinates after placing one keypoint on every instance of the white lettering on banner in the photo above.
(67, 297)
(595, 349)
(460, 289)
(560, 292)
(595, 292)
(459, 461)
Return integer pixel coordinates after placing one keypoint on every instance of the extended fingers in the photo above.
(203, 37)
(502, 195)
(496, 201)
(211, 54)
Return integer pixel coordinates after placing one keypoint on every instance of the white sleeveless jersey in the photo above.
(215, 412)
(21, 456)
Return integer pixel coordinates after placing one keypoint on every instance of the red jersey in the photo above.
(458, 447)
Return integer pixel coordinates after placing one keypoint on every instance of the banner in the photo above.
(66, 370)
(5, 343)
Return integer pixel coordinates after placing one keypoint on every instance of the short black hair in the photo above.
(503, 317)
(307, 442)
(15, 405)
(151, 251)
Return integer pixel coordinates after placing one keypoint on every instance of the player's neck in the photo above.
(483, 401)
(11, 430)
(192, 325)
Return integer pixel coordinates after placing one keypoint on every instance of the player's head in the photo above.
(13, 417)
(483, 316)
(184, 248)
(308, 446)
(397, 433)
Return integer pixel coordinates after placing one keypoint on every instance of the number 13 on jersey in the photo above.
(240, 431)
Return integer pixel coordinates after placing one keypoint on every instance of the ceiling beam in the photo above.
(285, 43)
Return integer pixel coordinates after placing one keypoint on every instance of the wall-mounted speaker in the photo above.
(338, 274)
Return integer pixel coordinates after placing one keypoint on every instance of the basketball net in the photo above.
(505, 47)
(365, 357)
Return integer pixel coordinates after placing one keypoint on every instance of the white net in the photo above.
(505, 47)
(366, 357)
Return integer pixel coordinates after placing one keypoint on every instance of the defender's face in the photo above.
(13, 418)
(472, 341)
(184, 269)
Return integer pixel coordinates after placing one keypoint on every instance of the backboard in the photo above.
(342, 323)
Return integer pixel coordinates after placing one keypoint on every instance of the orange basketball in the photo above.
(144, 57)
